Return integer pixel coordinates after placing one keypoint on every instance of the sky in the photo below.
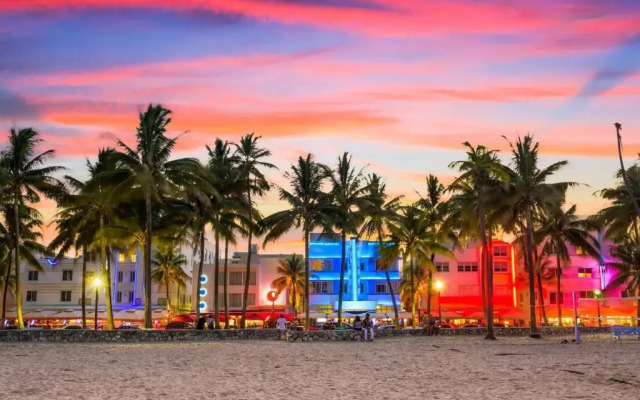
(398, 84)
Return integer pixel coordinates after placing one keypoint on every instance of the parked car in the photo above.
(179, 325)
(71, 327)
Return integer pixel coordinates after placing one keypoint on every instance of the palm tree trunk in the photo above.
(167, 291)
(306, 276)
(16, 262)
(540, 291)
(216, 284)
(84, 286)
(638, 307)
(558, 288)
(430, 286)
(625, 178)
(393, 296)
(488, 270)
(178, 305)
(413, 291)
(200, 268)
(245, 296)
(224, 284)
(529, 255)
(5, 290)
(343, 256)
(148, 323)
(108, 295)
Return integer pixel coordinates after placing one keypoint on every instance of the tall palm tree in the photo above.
(154, 176)
(532, 190)
(168, 266)
(309, 208)
(635, 200)
(627, 265)
(253, 181)
(557, 229)
(25, 179)
(292, 277)
(348, 194)
(413, 239)
(379, 213)
(479, 172)
(619, 216)
(414, 283)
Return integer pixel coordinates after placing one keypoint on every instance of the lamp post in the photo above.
(439, 286)
(597, 292)
(96, 283)
(272, 296)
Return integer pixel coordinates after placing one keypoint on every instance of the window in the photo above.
(120, 276)
(322, 308)
(131, 296)
(379, 265)
(121, 257)
(32, 295)
(579, 251)
(65, 296)
(554, 298)
(236, 278)
(118, 297)
(321, 287)
(362, 288)
(162, 301)
(133, 258)
(468, 290)
(362, 266)
(33, 276)
(132, 276)
(67, 275)
(382, 309)
(235, 300)
(500, 251)
(442, 266)
(345, 288)
(585, 273)
(500, 266)
(587, 294)
(382, 288)
(467, 267)
(321, 265)
(501, 290)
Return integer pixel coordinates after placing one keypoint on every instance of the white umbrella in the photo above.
(312, 314)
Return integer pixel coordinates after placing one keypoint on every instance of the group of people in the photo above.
(365, 325)
(430, 326)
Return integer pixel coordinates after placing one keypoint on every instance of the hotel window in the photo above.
(321, 265)
(121, 257)
(132, 276)
(236, 278)
(500, 251)
(468, 290)
(579, 251)
(322, 308)
(235, 300)
(362, 266)
(65, 296)
(382, 287)
(379, 265)
(442, 266)
(382, 309)
(118, 297)
(467, 267)
(131, 295)
(67, 275)
(162, 301)
(553, 298)
(321, 287)
(585, 273)
(33, 276)
(587, 294)
(500, 266)
(345, 288)
(133, 258)
(501, 290)
(120, 276)
(32, 295)
(362, 288)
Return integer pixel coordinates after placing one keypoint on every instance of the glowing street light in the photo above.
(97, 282)
(597, 293)
(272, 296)
(439, 286)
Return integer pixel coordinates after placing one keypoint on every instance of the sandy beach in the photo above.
(394, 368)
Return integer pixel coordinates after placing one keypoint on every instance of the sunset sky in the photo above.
(399, 84)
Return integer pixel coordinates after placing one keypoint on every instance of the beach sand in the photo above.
(391, 368)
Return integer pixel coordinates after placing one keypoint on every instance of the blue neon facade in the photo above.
(365, 286)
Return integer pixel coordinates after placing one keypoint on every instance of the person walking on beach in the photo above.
(282, 323)
(367, 324)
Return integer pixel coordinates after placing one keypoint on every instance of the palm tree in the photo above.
(292, 278)
(413, 239)
(414, 283)
(635, 200)
(309, 208)
(627, 265)
(379, 213)
(559, 228)
(480, 171)
(25, 179)
(349, 199)
(253, 182)
(153, 175)
(168, 266)
(530, 191)
(619, 216)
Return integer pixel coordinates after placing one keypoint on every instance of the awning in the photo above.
(129, 315)
(70, 314)
(183, 318)
(40, 314)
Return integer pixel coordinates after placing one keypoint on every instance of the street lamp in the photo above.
(272, 296)
(97, 282)
(439, 287)
(597, 292)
